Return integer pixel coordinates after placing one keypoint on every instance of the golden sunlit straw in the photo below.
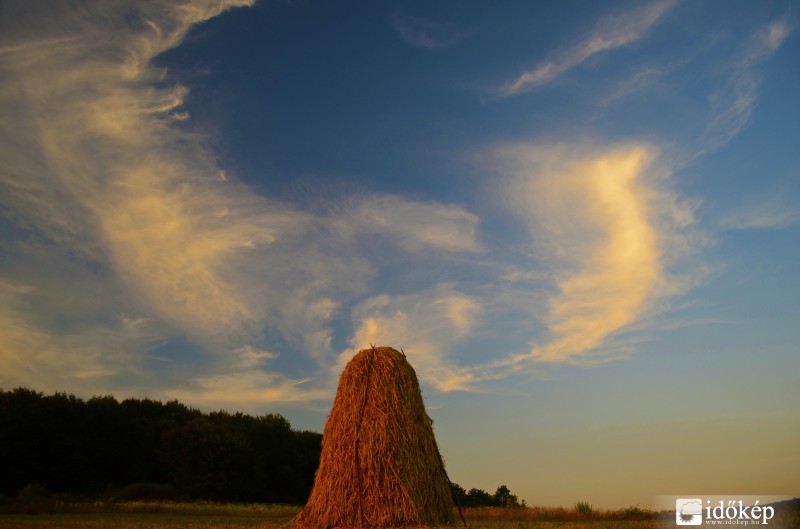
(380, 465)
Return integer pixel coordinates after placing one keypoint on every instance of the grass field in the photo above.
(147, 515)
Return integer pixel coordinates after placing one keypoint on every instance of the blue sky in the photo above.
(578, 219)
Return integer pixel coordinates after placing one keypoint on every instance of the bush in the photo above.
(33, 499)
(33, 493)
(5, 501)
(145, 492)
(584, 507)
(635, 513)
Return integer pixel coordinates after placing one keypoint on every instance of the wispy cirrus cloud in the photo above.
(98, 159)
(637, 81)
(423, 33)
(246, 381)
(426, 324)
(31, 354)
(416, 226)
(772, 213)
(733, 104)
(100, 168)
(607, 227)
(605, 231)
(612, 32)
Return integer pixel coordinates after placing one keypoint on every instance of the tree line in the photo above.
(147, 449)
(68, 445)
(480, 498)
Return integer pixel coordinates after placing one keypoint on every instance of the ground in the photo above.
(150, 515)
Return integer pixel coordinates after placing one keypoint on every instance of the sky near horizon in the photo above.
(579, 220)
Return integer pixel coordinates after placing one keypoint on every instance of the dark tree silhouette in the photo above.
(64, 444)
(142, 448)
(503, 497)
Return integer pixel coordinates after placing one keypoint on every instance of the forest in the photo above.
(67, 445)
(146, 449)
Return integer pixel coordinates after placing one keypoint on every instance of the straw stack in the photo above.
(380, 465)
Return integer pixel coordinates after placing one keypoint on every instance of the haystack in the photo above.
(380, 465)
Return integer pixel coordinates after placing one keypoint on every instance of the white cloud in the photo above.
(426, 325)
(249, 357)
(416, 226)
(733, 104)
(244, 382)
(772, 213)
(612, 32)
(79, 359)
(637, 81)
(244, 389)
(98, 165)
(95, 159)
(606, 226)
(774, 35)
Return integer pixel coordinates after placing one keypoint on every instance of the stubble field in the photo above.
(149, 515)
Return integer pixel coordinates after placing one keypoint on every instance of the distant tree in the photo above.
(146, 422)
(67, 445)
(459, 494)
(273, 437)
(103, 430)
(479, 498)
(209, 461)
(22, 439)
(65, 458)
(503, 497)
(308, 446)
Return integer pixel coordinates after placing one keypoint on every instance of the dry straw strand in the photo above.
(380, 465)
